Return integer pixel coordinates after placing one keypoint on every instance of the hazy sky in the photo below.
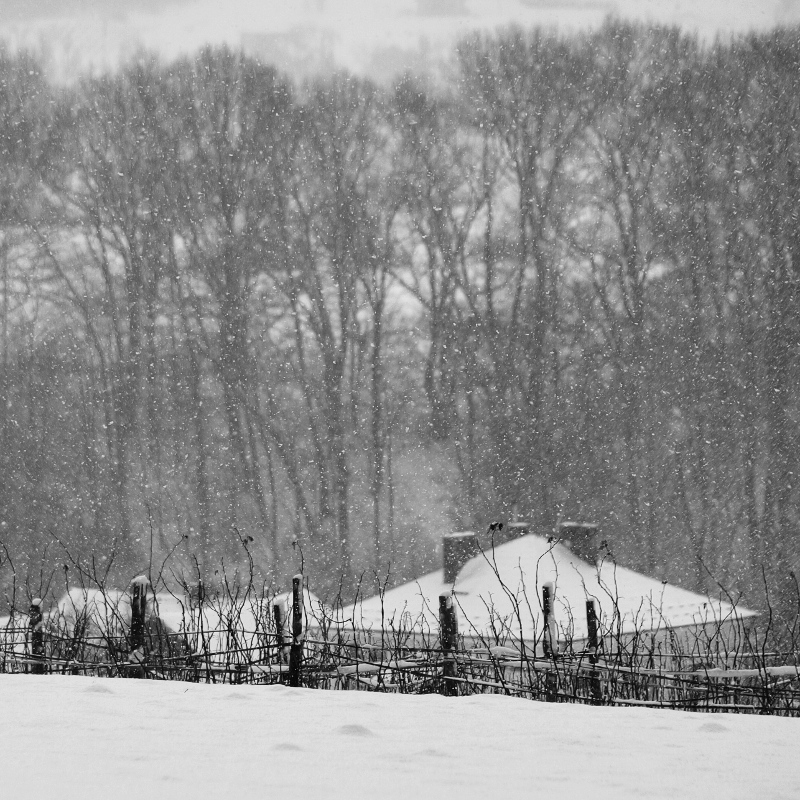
(375, 37)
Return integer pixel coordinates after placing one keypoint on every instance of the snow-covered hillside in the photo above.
(375, 37)
(73, 737)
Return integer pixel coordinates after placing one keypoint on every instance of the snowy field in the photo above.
(74, 737)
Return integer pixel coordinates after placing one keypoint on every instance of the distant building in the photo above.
(498, 594)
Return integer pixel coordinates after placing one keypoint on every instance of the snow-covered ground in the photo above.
(74, 737)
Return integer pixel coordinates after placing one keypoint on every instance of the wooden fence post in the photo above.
(594, 643)
(36, 625)
(202, 640)
(549, 632)
(136, 656)
(448, 636)
(296, 650)
(550, 641)
(278, 616)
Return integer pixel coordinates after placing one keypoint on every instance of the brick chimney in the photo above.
(581, 537)
(508, 533)
(457, 548)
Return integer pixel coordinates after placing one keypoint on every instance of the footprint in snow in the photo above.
(98, 688)
(356, 730)
(432, 751)
(713, 727)
(287, 692)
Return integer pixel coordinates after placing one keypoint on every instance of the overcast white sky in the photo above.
(375, 37)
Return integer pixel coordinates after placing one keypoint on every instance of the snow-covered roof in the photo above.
(111, 608)
(502, 589)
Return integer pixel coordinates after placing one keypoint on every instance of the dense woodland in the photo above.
(243, 318)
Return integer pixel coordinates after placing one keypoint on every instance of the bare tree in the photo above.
(534, 93)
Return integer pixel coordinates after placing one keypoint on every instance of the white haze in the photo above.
(378, 38)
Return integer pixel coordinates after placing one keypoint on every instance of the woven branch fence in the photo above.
(268, 640)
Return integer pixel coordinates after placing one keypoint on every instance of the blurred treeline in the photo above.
(563, 282)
